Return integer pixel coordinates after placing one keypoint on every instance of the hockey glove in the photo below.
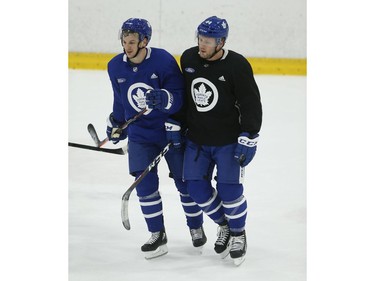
(114, 132)
(159, 99)
(173, 129)
(246, 148)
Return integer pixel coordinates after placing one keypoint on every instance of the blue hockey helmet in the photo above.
(214, 27)
(137, 25)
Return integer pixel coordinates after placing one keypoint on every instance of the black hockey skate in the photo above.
(156, 246)
(238, 247)
(198, 237)
(222, 242)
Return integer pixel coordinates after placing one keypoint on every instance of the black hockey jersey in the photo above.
(223, 98)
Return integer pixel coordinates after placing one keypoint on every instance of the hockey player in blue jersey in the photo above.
(223, 118)
(145, 77)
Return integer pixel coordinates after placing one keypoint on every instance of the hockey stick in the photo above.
(94, 135)
(125, 197)
(120, 151)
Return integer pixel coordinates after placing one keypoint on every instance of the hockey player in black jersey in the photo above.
(223, 116)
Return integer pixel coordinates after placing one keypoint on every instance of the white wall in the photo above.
(257, 28)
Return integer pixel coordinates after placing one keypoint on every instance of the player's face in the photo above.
(207, 46)
(130, 43)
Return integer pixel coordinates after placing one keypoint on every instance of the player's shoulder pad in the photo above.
(236, 56)
(160, 53)
(190, 51)
(239, 60)
(189, 54)
(116, 59)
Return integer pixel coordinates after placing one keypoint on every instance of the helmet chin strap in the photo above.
(139, 49)
(214, 53)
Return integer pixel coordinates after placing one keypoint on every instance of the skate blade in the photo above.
(238, 261)
(199, 250)
(225, 253)
(160, 251)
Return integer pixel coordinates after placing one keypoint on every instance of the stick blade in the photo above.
(119, 151)
(93, 134)
(125, 214)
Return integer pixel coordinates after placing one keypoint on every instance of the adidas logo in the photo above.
(221, 78)
(121, 80)
(154, 76)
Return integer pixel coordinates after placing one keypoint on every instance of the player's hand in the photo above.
(246, 148)
(173, 130)
(114, 132)
(159, 99)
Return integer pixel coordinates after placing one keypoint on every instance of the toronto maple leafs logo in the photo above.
(204, 94)
(137, 97)
(140, 98)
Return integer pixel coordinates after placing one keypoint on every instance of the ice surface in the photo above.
(100, 249)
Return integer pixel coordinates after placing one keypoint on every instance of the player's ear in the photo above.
(222, 42)
(144, 42)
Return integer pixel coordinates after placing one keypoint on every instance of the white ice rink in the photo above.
(100, 249)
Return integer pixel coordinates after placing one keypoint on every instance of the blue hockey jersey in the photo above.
(159, 70)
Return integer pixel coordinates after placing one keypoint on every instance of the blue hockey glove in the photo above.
(159, 99)
(246, 148)
(114, 133)
(173, 129)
